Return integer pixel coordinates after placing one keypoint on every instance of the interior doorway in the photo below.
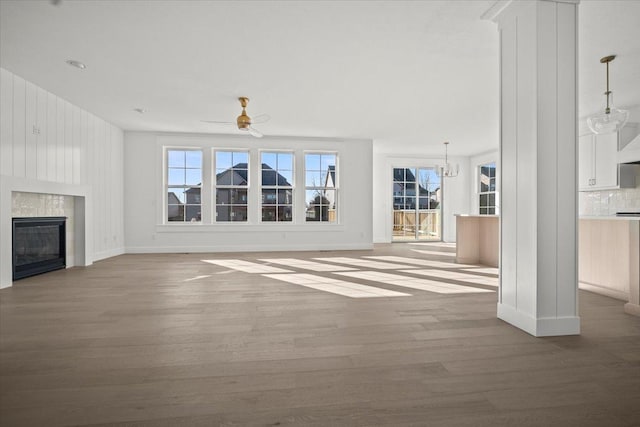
(416, 204)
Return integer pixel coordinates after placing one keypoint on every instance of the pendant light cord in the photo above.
(608, 92)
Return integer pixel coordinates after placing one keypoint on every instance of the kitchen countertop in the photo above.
(611, 217)
(598, 217)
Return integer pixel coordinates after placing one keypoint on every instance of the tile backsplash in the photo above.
(608, 202)
(38, 204)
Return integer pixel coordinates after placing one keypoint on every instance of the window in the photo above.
(231, 186)
(184, 183)
(277, 187)
(321, 187)
(416, 204)
(487, 189)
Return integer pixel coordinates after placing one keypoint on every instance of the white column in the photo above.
(538, 150)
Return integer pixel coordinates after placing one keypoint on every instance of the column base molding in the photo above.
(539, 327)
(633, 309)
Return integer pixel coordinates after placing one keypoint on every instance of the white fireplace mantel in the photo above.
(83, 244)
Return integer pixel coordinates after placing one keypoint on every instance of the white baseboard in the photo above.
(97, 256)
(253, 248)
(633, 309)
(613, 293)
(539, 327)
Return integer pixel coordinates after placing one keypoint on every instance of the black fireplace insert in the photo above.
(38, 245)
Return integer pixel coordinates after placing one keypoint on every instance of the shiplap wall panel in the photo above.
(526, 163)
(60, 140)
(52, 135)
(84, 136)
(98, 161)
(6, 123)
(77, 134)
(68, 143)
(509, 153)
(31, 139)
(41, 121)
(547, 218)
(567, 302)
(19, 99)
(73, 147)
(119, 146)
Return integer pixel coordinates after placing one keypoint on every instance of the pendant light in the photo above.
(612, 119)
(447, 170)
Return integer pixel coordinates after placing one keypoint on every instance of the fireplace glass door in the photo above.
(38, 245)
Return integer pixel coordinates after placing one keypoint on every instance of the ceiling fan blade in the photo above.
(218, 122)
(260, 118)
(254, 132)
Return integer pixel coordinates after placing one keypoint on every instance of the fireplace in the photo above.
(38, 245)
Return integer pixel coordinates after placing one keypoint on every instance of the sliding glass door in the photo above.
(416, 204)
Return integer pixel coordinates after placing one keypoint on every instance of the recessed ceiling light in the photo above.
(76, 64)
(140, 110)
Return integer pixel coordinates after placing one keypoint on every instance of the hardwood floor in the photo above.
(170, 340)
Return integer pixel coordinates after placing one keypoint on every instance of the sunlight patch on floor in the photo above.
(443, 264)
(365, 263)
(335, 286)
(418, 261)
(407, 282)
(197, 277)
(245, 266)
(306, 265)
(436, 244)
(485, 270)
(456, 275)
(439, 253)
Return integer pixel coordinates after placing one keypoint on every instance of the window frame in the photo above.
(167, 186)
(489, 208)
(215, 186)
(277, 187)
(335, 188)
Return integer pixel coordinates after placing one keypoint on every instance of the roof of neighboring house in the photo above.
(332, 174)
(402, 180)
(241, 169)
(173, 199)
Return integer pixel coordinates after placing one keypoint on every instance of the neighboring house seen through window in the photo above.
(231, 185)
(321, 187)
(277, 186)
(487, 189)
(184, 184)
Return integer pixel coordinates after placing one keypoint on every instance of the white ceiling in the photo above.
(409, 75)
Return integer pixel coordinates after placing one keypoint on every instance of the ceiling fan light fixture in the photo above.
(254, 132)
(243, 121)
(612, 119)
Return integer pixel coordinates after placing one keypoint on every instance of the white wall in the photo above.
(456, 191)
(474, 163)
(50, 146)
(146, 232)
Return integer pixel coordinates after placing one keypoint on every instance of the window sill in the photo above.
(244, 227)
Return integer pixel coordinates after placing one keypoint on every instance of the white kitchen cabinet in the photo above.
(598, 167)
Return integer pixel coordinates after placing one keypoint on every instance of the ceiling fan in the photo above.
(243, 121)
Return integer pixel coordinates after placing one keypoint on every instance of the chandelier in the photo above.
(612, 119)
(447, 170)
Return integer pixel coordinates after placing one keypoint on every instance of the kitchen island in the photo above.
(609, 258)
(608, 252)
(477, 239)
